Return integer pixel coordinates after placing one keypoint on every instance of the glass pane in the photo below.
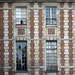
(50, 16)
(23, 9)
(46, 46)
(51, 56)
(20, 13)
(50, 47)
(21, 56)
(18, 9)
(24, 45)
(47, 51)
(47, 43)
(18, 45)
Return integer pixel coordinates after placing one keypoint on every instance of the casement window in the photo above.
(50, 16)
(21, 16)
(51, 56)
(21, 56)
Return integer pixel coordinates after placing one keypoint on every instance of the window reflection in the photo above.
(50, 16)
(24, 45)
(20, 15)
(18, 45)
(21, 56)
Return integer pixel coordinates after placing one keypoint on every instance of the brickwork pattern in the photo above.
(6, 34)
(21, 31)
(66, 39)
(36, 39)
(51, 31)
(36, 33)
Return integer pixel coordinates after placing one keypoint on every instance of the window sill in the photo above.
(51, 25)
(21, 26)
(52, 72)
(21, 71)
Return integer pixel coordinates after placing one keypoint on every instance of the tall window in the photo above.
(21, 16)
(50, 16)
(51, 56)
(21, 56)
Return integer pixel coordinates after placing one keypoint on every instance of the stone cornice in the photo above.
(44, 1)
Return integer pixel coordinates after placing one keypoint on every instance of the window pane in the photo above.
(18, 45)
(50, 16)
(24, 45)
(21, 15)
(51, 54)
(21, 56)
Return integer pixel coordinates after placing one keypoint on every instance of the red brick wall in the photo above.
(1, 57)
(62, 36)
(62, 23)
(70, 23)
(70, 34)
(40, 53)
(1, 24)
(62, 71)
(32, 34)
(61, 4)
(32, 55)
(32, 72)
(51, 31)
(40, 37)
(31, 4)
(10, 24)
(1, 42)
(32, 23)
(10, 35)
(32, 52)
(1, 71)
(10, 5)
(71, 72)
(70, 4)
(10, 53)
(21, 31)
(40, 23)
(62, 53)
(10, 72)
(1, 5)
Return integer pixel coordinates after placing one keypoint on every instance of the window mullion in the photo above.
(51, 55)
(50, 15)
(21, 13)
(21, 56)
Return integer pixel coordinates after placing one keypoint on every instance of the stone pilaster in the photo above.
(6, 47)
